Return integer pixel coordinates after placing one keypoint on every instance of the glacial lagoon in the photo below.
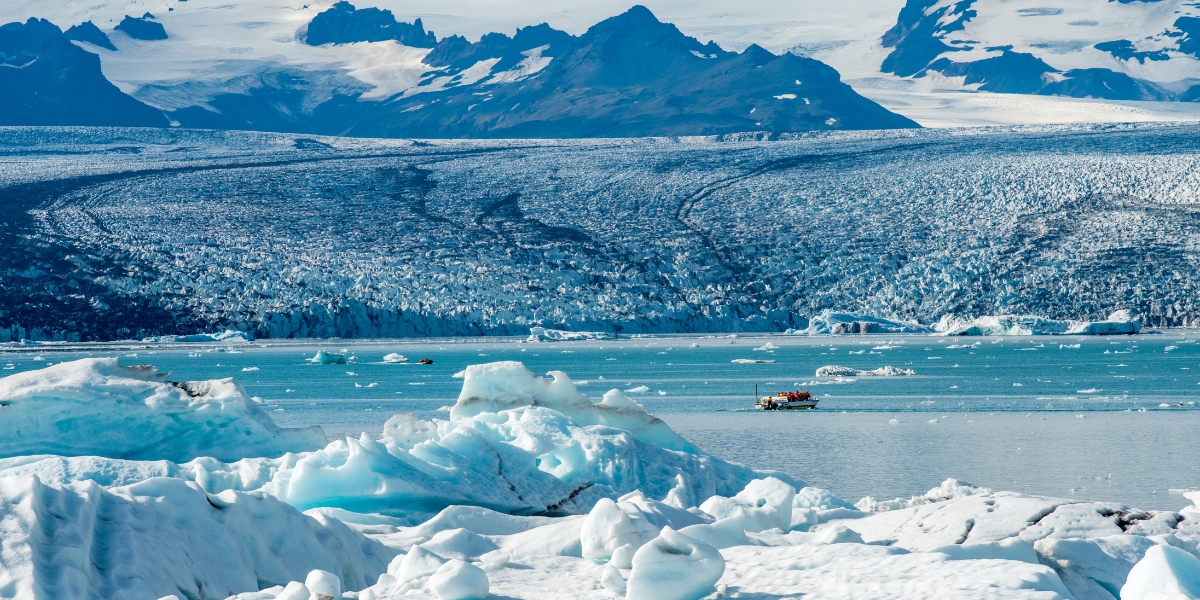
(1086, 418)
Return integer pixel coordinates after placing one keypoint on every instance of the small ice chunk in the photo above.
(615, 399)
(323, 582)
(641, 389)
(328, 358)
(607, 528)
(419, 562)
(460, 543)
(458, 580)
(622, 557)
(725, 533)
(763, 504)
(294, 591)
(393, 359)
(612, 581)
(1165, 572)
(495, 559)
(674, 566)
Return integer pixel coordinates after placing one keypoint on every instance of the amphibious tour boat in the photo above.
(794, 400)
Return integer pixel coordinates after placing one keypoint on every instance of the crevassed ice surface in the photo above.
(134, 233)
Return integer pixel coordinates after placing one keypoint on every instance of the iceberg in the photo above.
(394, 359)
(137, 413)
(165, 536)
(225, 336)
(327, 358)
(884, 371)
(515, 443)
(831, 322)
(541, 334)
(1121, 322)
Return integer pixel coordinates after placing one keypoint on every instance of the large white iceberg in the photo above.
(831, 322)
(97, 407)
(1121, 322)
(884, 371)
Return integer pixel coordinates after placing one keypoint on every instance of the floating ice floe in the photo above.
(395, 359)
(327, 358)
(136, 413)
(830, 322)
(1121, 322)
(541, 334)
(885, 371)
(751, 361)
(228, 335)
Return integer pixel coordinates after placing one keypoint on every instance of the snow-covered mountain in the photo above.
(344, 70)
(1128, 50)
(45, 79)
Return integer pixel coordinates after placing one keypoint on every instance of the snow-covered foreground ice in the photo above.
(531, 490)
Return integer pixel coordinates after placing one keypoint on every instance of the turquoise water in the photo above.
(1109, 419)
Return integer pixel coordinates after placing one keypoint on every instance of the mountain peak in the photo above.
(344, 24)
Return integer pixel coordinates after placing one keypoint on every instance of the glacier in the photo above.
(461, 508)
(456, 238)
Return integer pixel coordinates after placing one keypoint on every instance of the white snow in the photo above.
(136, 413)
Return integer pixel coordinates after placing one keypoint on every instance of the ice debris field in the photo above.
(526, 488)
(126, 234)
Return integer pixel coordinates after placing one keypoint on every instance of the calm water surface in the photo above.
(1109, 419)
